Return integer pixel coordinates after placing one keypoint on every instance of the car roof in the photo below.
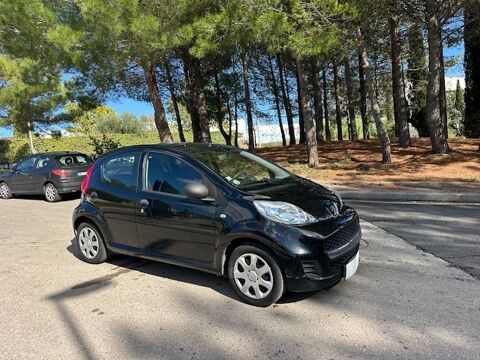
(182, 148)
(54, 153)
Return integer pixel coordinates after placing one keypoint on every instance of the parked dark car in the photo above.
(51, 174)
(218, 209)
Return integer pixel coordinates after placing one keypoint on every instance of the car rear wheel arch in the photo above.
(86, 219)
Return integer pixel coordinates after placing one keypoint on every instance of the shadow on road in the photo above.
(65, 197)
(124, 263)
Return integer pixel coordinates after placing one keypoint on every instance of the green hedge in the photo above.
(14, 149)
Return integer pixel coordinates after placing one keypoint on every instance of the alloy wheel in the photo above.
(88, 241)
(4, 191)
(50, 192)
(253, 276)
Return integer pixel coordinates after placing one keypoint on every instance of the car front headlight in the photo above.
(284, 212)
(340, 201)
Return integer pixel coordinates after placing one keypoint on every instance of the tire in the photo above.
(51, 193)
(89, 243)
(5, 191)
(259, 284)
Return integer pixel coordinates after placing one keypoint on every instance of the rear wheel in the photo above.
(51, 193)
(5, 191)
(255, 275)
(90, 244)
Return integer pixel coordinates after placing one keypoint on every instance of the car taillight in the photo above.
(84, 185)
(61, 172)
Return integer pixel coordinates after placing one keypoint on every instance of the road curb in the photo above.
(420, 195)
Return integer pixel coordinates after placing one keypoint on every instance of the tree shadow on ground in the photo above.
(219, 284)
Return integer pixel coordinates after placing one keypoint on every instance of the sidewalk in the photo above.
(461, 192)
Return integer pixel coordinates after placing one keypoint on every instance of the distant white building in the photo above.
(49, 134)
(267, 133)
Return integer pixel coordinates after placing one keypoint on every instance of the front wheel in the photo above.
(255, 275)
(5, 191)
(51, 193)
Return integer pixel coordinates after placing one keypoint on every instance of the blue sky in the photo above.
(123, 105)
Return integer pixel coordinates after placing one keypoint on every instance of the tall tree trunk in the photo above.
(443, 94)
(328, 135)
(317, 100)
(435, 117)
(399, 101)
(219, 113)
(277, 101)
(382, 134)
(363, 100)
(235, 117)
(287, 89)
(192, 110)
(310, 132)
(351, 106)
(338, 111)
(375, 76)
(230, 118)
(286, 102)
(248, 103)
(200, 101)
(173, 96)
(301, 119)
(158, 109)
(472, 71)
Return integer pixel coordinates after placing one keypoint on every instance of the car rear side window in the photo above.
(121, 171)
(73, 159)
(168, 174)
(42, 163)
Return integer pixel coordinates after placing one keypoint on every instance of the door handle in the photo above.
(143, 205)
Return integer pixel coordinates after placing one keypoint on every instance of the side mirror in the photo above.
(196, 191)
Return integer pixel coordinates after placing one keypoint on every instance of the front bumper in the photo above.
(327, 267)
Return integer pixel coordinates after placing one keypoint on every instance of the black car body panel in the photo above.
(31, 180)
(201, 234)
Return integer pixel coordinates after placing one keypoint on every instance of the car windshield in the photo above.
(241, 168)
(73, 159)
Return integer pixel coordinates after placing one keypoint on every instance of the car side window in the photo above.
(26, 165)
(168, 174)
(121, 171)
(42, 163)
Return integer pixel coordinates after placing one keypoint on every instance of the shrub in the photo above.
(15, 149)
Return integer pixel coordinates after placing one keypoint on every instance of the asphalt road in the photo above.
(402, 304)
(449, 231)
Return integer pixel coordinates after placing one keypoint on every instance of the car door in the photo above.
(22, 180)
(170, 224)
(115, 195)
(40, 173)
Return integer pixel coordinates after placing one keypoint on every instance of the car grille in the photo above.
(342, 236)
(342, 260)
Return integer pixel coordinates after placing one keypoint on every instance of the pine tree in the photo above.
(417, 76)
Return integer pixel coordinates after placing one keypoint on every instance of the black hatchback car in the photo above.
(51, 174)
(222, 210)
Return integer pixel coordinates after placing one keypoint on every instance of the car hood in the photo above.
(309, 196)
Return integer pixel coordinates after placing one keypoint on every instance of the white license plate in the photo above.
(82, 173)
(352, 266)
